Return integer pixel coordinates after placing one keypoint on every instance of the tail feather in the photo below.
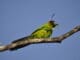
(18, 46)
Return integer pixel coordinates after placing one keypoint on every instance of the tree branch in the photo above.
(58, 39)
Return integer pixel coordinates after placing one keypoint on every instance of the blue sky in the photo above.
(19, 18)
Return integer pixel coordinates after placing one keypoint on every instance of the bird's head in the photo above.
(52, 23)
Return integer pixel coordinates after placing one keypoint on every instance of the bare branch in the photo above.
(27, 42)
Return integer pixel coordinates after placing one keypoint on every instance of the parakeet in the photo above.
(44, 31)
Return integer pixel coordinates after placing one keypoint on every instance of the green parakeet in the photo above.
(45, 31)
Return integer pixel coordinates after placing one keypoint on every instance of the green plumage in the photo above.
(45, 31)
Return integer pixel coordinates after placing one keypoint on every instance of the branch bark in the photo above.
(27, 42)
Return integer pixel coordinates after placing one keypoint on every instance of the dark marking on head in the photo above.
(53, 23)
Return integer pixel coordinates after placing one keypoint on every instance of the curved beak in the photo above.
(55, 23)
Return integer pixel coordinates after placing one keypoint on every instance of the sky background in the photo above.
(19, 18)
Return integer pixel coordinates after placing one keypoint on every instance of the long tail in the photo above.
(18, 43)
